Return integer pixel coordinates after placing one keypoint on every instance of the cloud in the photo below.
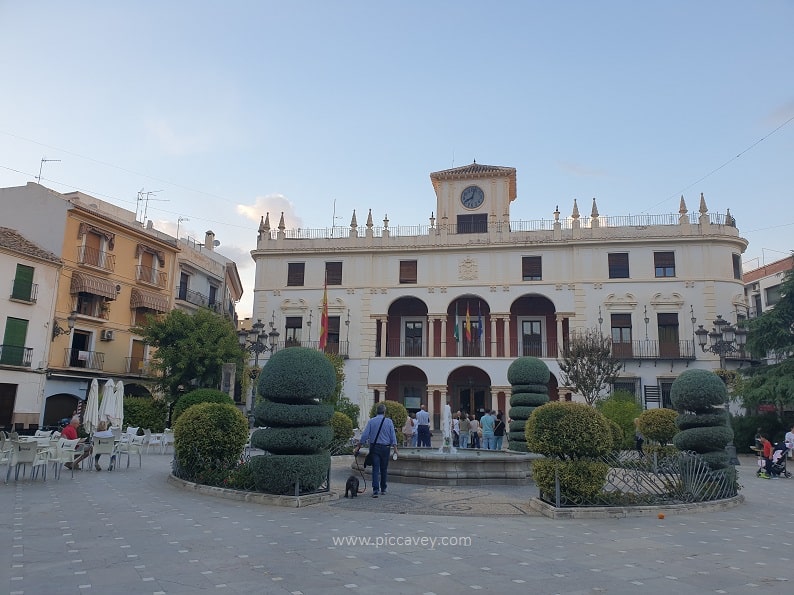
(274, 204)
(577, 169)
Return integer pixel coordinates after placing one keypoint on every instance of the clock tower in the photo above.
(471, 196)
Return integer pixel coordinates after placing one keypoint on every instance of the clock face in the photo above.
(472, 197)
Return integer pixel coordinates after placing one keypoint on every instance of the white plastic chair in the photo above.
(150, 440)
(105, 446)
(129, 434)
(131, 447)
(24, 453)
(43, 433)
(65, 453)
(168, 440)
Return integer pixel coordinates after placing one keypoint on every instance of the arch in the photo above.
(469, 390)
(407, 385)
(137, 390)
(58, 407)
(469, 326)
(533, 324)
(406, 328)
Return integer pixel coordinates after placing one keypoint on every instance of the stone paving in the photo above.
(130, 531)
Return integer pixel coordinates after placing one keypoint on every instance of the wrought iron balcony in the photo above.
(651, 349)
(14, 355)
(96, 258)
(192, 297)
(79, 358)
(24, 291)
(150, 276)
(139, 366)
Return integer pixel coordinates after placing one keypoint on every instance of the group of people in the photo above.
(771, 454)
(487, 432)
(84, 448)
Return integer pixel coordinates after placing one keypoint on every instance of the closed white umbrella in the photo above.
(91, 414)
(117, 415)
(106, 406)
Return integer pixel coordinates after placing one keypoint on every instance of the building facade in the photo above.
(437, 312)
(763, 289)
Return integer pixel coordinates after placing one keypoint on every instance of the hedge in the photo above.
(267, 413)
(298, 440)
(276, 474)
(579, 480)
(201, 395)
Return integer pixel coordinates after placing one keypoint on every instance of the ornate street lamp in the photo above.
(257, 342)
(58, 330)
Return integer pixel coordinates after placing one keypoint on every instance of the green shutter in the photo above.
(23, 283)
(14, 342)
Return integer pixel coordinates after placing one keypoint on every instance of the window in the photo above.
(333, 273)
(773, 295)
(532, 337)
(737, 266)
(12, 352)
(293, 327)
(8, 396)
(89, 304)
(531, 268)
(295, 272)
(629, 385)
(473, 223)
(332, 345)
(664, 263)
(407, 271)
(618, 265)
(621, 335)
(668, 335)
(184, 283)
(23, 284)
(412, 337)
(213, 297)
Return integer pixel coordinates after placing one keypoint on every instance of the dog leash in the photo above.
(364, 479)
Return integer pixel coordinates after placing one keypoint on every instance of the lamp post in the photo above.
(723, 339)
(256, 341)
(58, 330)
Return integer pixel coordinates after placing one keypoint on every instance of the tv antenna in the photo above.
(178, 222)
(41, 165)
(146, 196)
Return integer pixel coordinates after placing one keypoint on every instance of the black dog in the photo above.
(351, 487)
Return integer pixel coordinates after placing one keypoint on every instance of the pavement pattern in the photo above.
(131, 532)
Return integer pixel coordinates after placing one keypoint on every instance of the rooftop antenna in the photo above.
(146, 196)
(178, 221)
(334, 218)
(41, 165)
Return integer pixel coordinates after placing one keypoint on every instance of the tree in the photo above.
(588, 365)
(341, 404)
(773, 331)
(190, 349)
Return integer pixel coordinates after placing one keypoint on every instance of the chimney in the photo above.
(209, 240)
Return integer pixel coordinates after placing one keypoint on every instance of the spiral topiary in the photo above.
(698, 393)
(529, 378)
(297, 432)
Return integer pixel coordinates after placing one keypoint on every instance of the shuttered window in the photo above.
(664, 264)
(295, 272)
(618, 265)
(531, 268)
(333, 273)
(23, 283)
(407, 271)
(13, 350)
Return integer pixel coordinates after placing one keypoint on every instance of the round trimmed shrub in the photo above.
(568, 431)
(200, 395)
(697, 391)
(530, 400)
(580, 481)
(717, 459)
(268, 413)
(277, 474)
(342, 426)
(528, 370)
(688, 420)
(658, 425)
(394, 411)
(703, 440)
(297, 375)
(209, 437)
(297, 440)
(521, 414)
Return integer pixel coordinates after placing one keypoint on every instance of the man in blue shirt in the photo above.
(380, 435)
(423, 427)
(487, 423)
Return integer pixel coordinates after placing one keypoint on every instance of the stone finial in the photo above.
(353, 222)
(594, 211)
(267, 222)
(281, 225)
(369, 219)
(682, 206)
(557, 213)
(385, 222)
(729, 220)
(703, 208)
(575, 213)
(261, 225)
(432, 220)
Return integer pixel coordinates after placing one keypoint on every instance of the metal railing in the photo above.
(192, 297)
(339, 348)
(78, 358)
(24, 291)
(139, 366)
(149, 275)
(14, 355)
(652, 349)
(96, 258)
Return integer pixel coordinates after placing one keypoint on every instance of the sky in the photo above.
(224, 111)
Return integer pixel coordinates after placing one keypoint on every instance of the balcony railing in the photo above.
(14, 355)
(24, 291)
(651, 349)
(150, 276)
(96, 258)
(139, 366)
(78, 358)
(339, 348)
(192, 297)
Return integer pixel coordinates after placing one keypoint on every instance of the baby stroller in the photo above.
(777, 468)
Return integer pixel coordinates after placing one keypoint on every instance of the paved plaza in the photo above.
(131, 532)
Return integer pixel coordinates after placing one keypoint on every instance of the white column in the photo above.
(382, 338)
(430, 341)
(444, 337)
(430, 405)
(506, 322)
(493, 336)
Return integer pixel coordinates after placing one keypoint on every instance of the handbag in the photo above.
(369, 458)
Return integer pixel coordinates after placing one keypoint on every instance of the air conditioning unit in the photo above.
(107, 335)
(754, 287)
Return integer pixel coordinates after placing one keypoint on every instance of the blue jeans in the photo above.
(487, 442)
(380, 466)
(497, 440)
(424, 435)
(414, 438)
(475, 440)
(464, 440)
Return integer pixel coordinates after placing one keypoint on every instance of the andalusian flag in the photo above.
(324, 319)
(457, 329)
(480, 329)
(468, 325)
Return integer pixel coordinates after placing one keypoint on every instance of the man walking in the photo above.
(423, 427)
(381, 437)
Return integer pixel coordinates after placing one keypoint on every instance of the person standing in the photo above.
(423, 427)
(789, 439)
(408, 431)
(381, 437)
(474, 432)
(487, 423)
(463, 424)
(456, 430)
(499, 431)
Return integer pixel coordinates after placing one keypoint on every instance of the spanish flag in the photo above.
(468, 325)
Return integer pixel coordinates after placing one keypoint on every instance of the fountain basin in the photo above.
(466, 467)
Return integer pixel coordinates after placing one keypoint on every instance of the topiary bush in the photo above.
(200, 395)
(568, 431)
(297, 433)
(529, 377)
(394, 411)
(622, 408)
(695, 393)
(208, 442)
(580, 481)
(342, 427)
(145, 412)
(659, 425)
